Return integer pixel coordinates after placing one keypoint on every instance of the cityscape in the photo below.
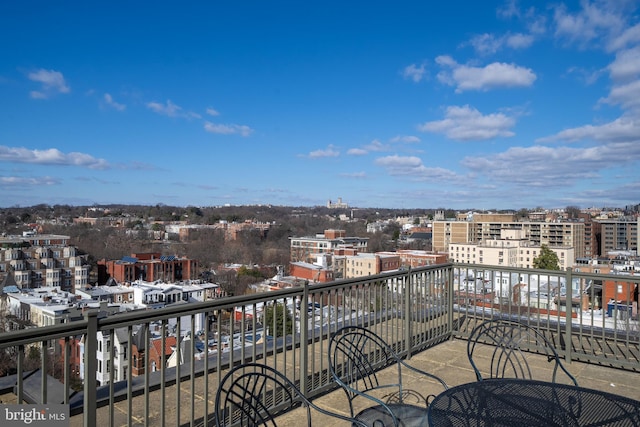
(189, 188)
(46, 279)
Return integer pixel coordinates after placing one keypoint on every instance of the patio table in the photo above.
(519, 402)
(406, 415)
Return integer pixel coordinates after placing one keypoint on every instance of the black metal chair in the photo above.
(512, 343)
(356, 358)
(253, 394)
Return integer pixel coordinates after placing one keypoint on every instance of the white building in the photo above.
(511, 250)
(50, 305)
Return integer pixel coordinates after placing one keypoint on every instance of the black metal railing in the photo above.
(161, 367)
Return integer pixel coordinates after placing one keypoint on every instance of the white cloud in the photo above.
(621, 129)
(598, 22)
(626, 95)
(486, 44)
(232, 129)
(18, 181)
(108, 99)
(51, 81)
(357, 152)
(519, 40)
(629, 36)
(327, 152)
(376, 145)
(405, 138)
(169, 109)
(413, 72)
(412, 167)
(509, 10)
(356, 175)
(51, 156)
(212, 112)
(466, 124)
(492, 76)
(626, 65)
(373, 146)
(544, 167)
(589, 77)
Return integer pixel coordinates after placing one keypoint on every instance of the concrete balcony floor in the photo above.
(448, 360)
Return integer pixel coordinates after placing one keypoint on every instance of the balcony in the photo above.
(167, 362)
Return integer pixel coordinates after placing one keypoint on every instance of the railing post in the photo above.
(569, 316)
(20, 379)
(407, 313)
(304, 337)
(449, 293)
(44, 362)
(90, 368)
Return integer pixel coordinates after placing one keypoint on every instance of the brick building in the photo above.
(149, 267)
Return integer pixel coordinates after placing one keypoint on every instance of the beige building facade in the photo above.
(564, 234)
(368, 264)
(511, 250)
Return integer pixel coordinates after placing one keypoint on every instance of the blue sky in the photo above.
(404, 104)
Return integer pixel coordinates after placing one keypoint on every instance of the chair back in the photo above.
(356, 355)
(503, 347)
(253, 394)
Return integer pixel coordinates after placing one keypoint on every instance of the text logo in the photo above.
(34, 415)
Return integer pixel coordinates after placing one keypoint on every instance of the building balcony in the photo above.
(426, 313)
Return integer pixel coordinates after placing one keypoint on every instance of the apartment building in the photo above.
(511, 250)
(231, 230)
(37, 261)
(619, 234)
(592, 236)
(553, 234)
(149, 267)
(307, 249)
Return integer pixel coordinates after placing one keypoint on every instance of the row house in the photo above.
(51, 305)
(143, 294)
(153, 349)
(159, 294)
(45, 266)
